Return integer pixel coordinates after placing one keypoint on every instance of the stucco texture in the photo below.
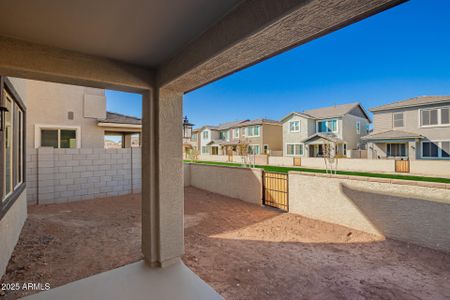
(10, 227)
(409, 213)
(240, 183)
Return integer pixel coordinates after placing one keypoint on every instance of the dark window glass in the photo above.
(68, 139)
(49, 138)
(445, 149)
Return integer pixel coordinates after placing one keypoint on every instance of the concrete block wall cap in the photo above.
(438, 185)
(403, 182)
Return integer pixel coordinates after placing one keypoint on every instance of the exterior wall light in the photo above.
(187, 128)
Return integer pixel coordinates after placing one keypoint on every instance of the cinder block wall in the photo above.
(415, 212)
(62, 175)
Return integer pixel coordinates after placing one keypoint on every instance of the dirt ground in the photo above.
(242, 251)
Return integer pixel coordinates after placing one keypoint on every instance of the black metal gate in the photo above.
(275, 190)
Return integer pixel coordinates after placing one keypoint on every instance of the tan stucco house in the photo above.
(261, 136)
(305, 133)
(68, 116)
(416, 128)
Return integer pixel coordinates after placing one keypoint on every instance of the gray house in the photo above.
(416, 128)
(305, 133)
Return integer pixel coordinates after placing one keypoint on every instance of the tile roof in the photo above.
(391, 135)
(330, 111)
(411, 102)
(117, 118)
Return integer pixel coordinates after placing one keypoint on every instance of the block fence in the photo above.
(63, 175)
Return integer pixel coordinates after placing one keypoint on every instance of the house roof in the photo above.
(329, 137)
(392, 135)
(412, 102)
(117, 118)
(229, 125)
(329, 111)
(259, 122)
(241, 123)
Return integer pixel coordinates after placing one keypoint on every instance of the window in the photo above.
(437, 149)
(205, 134)
(345, 149)
(294, 126)
(236, 133)
(194, 137)
(59, 138)
(435, 117)
(327, 126)
(294, 149)
(224, 135)
(358, 127)
(394, 150)
(253, 149)
(204, 149)
(253, 131)
(398, 120)
(12, 146)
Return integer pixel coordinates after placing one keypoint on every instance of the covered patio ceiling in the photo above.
(128, 44)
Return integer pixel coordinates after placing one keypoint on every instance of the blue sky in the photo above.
(400, 53)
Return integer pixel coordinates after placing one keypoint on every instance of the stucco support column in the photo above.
(162, 178)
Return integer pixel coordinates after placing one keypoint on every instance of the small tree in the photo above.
(330, 157)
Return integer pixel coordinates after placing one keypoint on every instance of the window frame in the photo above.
(252, 146)
(39, 127)
(326, 123)
(301, 149)
(403, 119)
(236, 130)
(7, 203)
(358, 127)
(388, 154)
(439, 117)
(253, 131)
(298, 127)
(439, 146)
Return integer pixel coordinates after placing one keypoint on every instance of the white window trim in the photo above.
(301, 144)
(358, 127)
(39, 127)
(439, 142)
(259, 131)
(326, 120)
(439, 116)
(393, 119)
(259, 148)
(236, 130)
(399, 143)
(289, 124)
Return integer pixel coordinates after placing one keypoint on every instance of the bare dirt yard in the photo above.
(241, 250)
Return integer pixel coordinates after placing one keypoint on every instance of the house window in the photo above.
(253, 149)
(59, 138)
(398, 120)
(205, 134)
(358, 127)
(294, 126)
(438, 149)
(435, 117)
(236, 133)
(345, 149)
(204, 149)
(253, 131)
(294, 149)
(194, 137)
(12, 146)
(327, 126)
(394, 150)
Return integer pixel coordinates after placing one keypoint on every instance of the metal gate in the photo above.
(275, 190)
(402, 166)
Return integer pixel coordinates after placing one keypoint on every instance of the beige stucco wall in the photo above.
(240, 183)
(272, 136)
(431, 167)
(49, 104)
(10, 227)
(395, 209)
(187, 174)
(349, 133)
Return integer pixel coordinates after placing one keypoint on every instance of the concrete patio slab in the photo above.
(135, 281)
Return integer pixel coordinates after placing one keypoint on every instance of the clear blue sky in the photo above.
(400, 53)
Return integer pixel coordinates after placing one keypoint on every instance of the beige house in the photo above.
(306, 133)
(416, 128)
(68, 116)
(260, 136)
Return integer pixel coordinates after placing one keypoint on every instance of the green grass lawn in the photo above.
(349, 173)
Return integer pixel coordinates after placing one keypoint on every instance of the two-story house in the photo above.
(416, 128)
(262, 136)
(306, 133)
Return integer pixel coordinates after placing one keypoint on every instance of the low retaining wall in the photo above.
(240, 183)
(393, 208)
(10, 227)
(62, 175)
